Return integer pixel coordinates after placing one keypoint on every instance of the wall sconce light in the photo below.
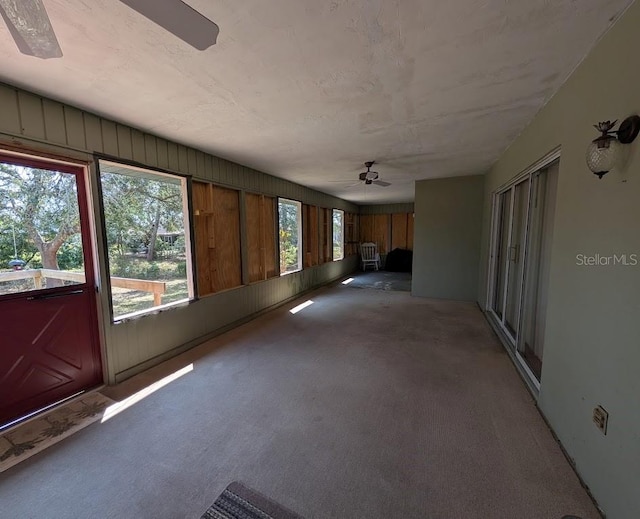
(605, 152)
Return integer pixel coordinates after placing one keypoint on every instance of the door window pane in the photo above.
(40, 240)
(146, 224)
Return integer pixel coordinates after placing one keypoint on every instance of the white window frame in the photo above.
(298, 205)
(341, 213)
(186, 220)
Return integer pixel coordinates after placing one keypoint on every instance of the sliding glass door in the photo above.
(515, 257)
(503, 212)
(522, 225)
(543, 201)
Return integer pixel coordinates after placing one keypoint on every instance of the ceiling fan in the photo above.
(33, 33)
(371, 177)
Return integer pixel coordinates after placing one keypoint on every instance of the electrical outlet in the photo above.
(601, 418)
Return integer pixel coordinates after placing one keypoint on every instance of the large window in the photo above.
(290, 234)
(147, 233)
(338, 234)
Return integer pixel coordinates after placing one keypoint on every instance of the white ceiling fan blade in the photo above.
(381, 183)
(350, 183)
(31, 28)
(179, 19)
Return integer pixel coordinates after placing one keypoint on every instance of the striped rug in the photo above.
(240, 502)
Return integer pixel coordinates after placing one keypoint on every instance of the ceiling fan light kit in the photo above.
(371, 177)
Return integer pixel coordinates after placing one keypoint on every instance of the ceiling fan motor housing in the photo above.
(369, 176)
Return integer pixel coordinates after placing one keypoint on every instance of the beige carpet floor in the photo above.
(365, 404)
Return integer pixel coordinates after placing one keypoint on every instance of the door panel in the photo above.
(501, 258)
(46, 354)
(49, 343)
(531, 344)
(516, 256)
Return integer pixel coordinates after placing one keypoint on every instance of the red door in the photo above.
(48, 320)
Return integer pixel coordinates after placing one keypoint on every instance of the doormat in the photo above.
(240, 502)
(31, 437)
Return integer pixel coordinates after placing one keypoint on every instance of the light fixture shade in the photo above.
(603, 154)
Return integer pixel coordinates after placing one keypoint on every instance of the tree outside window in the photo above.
(338, 234)
(146, 226)
(39, 225)
(290, 235)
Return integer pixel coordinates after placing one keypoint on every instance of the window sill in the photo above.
(290, 272)
(151, 311)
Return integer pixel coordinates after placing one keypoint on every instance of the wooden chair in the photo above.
(369, 255)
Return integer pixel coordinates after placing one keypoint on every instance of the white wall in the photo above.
(592, 339)
(31, 123)
(446, 250)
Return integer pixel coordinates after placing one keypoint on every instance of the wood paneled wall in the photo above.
(216, 224)
(350, 234)
(402, 231)
(376, 228)
(310, 235)
(260, 213)
(388, 231)
(410, 230)
(326, 235)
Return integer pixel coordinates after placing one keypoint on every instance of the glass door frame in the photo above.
(512, 342)
(80, 169)
(502, 320)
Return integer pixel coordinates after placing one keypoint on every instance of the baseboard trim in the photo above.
(535, 393)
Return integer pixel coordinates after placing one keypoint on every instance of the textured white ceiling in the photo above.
(309, 90)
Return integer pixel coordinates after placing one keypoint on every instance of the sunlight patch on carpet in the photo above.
(118, 407)
(301, 306)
